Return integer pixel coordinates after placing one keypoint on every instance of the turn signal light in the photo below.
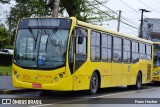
(15, 72)
(61, 75)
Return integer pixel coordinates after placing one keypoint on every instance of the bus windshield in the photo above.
(41, 47)
(156, 55)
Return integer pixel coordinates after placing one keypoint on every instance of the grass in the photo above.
(5, 70)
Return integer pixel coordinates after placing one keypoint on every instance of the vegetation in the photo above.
(4, 1)
(26, 8)
(4, 37)
(5, 70)
(5, 60)
(84, 10)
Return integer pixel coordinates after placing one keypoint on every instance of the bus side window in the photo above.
(142, 51)
(106, 48)
(135, 52)
(117, 49)
(149, 52)
(126, 51)
(95, 46)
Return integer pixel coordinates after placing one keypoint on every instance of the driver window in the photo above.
(81, 44)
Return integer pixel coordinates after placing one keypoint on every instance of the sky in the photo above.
(130, 10)
(130, 13)
(4, 10)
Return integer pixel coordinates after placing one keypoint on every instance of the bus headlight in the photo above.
(56, 79)
(18, 77)
(156, 73)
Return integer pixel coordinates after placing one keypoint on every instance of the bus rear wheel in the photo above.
(94, 83)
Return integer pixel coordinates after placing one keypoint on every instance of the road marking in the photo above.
(101, 96)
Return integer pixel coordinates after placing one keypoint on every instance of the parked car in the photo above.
(6, 51)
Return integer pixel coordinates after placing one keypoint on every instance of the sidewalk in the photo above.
(6, 86)
(6, 83)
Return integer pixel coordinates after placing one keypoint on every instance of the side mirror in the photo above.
(79, 36)
(80, 39)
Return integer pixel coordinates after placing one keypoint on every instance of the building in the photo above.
(151, 29)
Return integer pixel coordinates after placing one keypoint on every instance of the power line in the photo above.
(124, 8)
(117, 13)
(112, 16)
(148, 6)
(137, 12)
(129, 25)
(129, 6)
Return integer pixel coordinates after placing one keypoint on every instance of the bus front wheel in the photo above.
(94, 83)
(138, 81)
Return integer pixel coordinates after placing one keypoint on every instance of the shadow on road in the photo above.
(153, 84)
(79, 94)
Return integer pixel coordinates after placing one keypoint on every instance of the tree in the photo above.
(4, 37)
(5, 1)
(26, 8)
(84, 10)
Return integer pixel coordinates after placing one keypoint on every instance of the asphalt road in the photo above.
(118, 97)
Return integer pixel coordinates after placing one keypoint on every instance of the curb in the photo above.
(15, 91)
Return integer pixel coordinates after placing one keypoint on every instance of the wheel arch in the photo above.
(140, 72)
(99, 76)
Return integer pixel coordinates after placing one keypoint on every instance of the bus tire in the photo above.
(138, 81)
(94, 83)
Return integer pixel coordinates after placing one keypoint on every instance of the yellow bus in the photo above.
(156, 62)
(66, 54)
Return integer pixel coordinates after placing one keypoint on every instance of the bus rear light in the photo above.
(36, 85)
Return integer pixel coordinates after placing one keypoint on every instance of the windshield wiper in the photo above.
(30, 30)
(54, 30)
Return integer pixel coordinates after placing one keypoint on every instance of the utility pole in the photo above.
(141, 26)
(119, 20)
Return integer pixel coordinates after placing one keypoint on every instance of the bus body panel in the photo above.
(111, 74)
(44, 78)
(126, 74)
(157, 77)
(156, 63)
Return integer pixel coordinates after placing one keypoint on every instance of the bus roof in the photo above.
(156, 43)
(100, 28)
